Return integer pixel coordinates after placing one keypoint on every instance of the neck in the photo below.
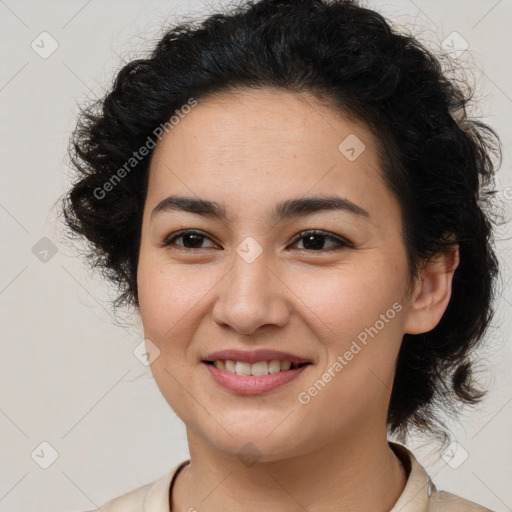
(358, 474)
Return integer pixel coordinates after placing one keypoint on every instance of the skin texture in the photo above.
(248, 151)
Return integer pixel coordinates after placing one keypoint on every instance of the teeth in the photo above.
(285, 365)
(260, 368)
(274, 366)
(242, 368)
(257, 369)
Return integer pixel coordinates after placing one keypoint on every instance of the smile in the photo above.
(253, 379)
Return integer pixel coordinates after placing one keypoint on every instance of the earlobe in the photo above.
(432, 292)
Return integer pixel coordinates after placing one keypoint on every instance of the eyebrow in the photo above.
(287, 209)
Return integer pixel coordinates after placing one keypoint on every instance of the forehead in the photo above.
(261, 145)
(233, 123)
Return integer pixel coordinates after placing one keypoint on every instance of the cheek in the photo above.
(357, 312)
(166, 291)
(347, 299)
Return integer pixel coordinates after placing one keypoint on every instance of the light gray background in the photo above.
(68, 373)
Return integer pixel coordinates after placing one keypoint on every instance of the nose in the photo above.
(252, 296)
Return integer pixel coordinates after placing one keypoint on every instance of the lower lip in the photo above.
(251, 384)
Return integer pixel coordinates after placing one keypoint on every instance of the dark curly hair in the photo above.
(437, 161)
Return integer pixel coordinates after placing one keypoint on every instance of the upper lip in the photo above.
(254, 356)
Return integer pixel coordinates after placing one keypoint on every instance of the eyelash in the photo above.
(342, 244)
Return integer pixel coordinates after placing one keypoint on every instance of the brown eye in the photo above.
(312, 241)
(190, 239)
(315, 240)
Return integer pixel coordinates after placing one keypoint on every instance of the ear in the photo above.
(432, 293)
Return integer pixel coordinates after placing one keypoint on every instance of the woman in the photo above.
(293, 198)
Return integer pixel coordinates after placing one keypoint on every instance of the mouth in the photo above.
(258, 378)
(258, 369)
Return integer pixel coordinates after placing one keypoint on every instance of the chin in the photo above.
(251, 443)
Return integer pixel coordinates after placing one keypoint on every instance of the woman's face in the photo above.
(251, 281)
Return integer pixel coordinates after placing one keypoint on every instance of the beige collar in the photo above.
(419, 487)
(414, 498)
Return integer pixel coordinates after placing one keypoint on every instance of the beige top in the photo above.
(419, 494)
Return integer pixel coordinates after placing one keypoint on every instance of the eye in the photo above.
(315, 239)
(191, 239)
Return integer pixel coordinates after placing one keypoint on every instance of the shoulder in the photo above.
(442, 501)
(151, 497)
(132, 501)
(420, 493)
